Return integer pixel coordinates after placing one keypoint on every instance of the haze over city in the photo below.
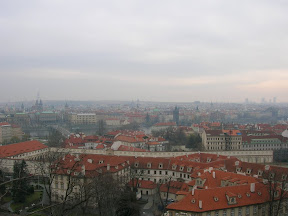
(222, 51)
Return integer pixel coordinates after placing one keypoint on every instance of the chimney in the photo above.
(89, 161)
(83, 169)
(193, 192)
(200, 204)
(108, 167)
(252, 187)
(214, 175)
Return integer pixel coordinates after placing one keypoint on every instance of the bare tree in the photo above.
(276, 183)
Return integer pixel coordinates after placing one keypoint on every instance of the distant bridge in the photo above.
(62, 130)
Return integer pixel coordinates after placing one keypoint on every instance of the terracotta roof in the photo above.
(143, 184)
(216, 198)
(4, 123)
(165, 124)
(20, 148)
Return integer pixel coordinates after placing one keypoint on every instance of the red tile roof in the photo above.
(216, 198)
(20, 148)
(165, 124)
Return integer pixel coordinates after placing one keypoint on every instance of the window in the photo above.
(232, 212)
(155, 172)
(160, 172)
(166, 172)
(247, 210)
(254, 209)
(224, 212)
(148, 171)
(240, 211)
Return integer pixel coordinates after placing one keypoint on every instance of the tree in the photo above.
(55, 138)
(15, 139)
(3, 191)
(20, 187)
(276, 183)
(101, 127)
(127, 205)
(194, 142)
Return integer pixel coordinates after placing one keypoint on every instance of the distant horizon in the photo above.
(135, 101)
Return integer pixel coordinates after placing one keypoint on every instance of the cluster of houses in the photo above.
(199, 183)
(124, 140)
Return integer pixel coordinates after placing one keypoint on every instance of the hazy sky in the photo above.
(152, 50)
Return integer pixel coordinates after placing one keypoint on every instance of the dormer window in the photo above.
(239, 196)
(160, 165)
(272, 175)
(260, 172)
(284, 177)
(276, 193)
(232, 200)
(193, 200)
(208, 160)
(136, 164)
(259, 193)
(248, 194)
(149, 165)
(174, 166)
(189, 169)
(248, 171)
(238, 169)
(216, 199)
(181, 168)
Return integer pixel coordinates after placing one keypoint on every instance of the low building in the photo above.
(23, 150)
(222, 140)
(83, 118)
(48, 117)
(163, 126)
(8, 131)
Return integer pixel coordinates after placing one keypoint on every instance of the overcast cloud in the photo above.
(151, 50)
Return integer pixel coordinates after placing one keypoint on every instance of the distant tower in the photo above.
(176, 115)
(40, 106)
(263, 100)
(66, 106)
(138, 103)
(274, 100)
(22, 107)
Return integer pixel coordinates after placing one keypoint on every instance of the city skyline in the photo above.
(151, 51)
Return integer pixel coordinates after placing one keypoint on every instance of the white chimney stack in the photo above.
(252, 187)
(108, 166)
(200, 204)
(214, 175)
(193, 192)
(83, 169)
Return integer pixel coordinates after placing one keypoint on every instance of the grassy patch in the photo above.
(6, 199)
(33, 198)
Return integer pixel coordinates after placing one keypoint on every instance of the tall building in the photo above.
(176, 115)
